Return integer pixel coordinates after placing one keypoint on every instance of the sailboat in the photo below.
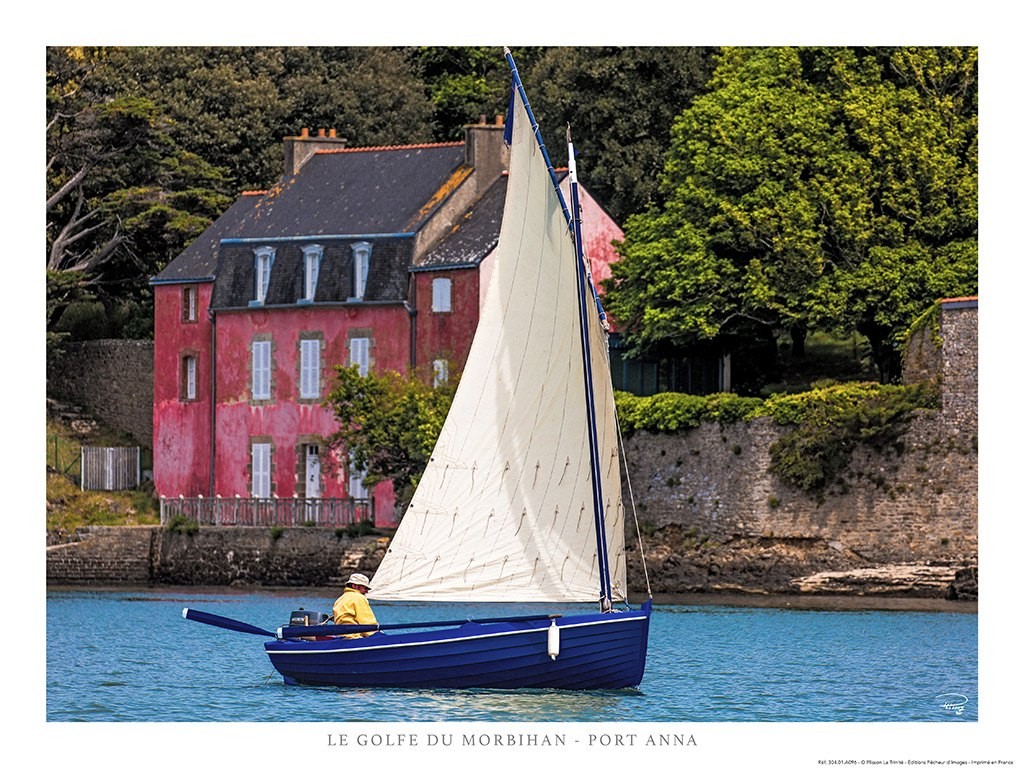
(521, 500)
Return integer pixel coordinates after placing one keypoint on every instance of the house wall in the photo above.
(600, 232)
(181, 428)
(286, 421)
(446, 335)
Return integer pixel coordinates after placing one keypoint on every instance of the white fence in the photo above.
(327, 513)
(110, 469)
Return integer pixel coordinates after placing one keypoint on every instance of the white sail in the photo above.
(504, 510)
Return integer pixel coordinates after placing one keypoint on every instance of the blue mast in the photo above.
(583, 281)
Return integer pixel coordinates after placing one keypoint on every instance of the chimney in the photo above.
(298, 149)
(486, 150)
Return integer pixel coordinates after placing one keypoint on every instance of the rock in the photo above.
(680, 562)
(965, 584)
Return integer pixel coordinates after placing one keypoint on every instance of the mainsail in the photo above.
(505, 508)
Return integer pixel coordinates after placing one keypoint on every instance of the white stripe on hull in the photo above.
(563, 627)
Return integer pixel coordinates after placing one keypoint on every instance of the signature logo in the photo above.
(952, 702)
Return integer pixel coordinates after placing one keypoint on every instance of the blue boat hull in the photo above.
(596, 651)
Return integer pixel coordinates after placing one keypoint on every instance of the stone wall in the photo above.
(102, 555)
(920, 503)
(112, 379)
(903, 521)
(946, 352)
(151, 555)
(958, 328)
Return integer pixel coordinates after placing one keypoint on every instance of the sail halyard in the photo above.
(583, 281)
(506, 509)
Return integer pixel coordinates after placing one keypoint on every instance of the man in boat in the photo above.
(353, 607)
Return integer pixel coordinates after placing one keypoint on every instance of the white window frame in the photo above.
(359, 353)
(356, 488)
(441, 294)
(190, 302)
(309, 369)
(264, 263)
(360, 269)
(440, 372)
(191, 375)
(261, 470)
(311, 257)
(312, 451)
(261, 365)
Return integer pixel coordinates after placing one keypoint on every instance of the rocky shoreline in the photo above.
(676, 568)
(675, 562)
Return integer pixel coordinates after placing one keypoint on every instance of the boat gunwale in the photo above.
(639, 616)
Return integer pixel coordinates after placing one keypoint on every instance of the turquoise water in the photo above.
(129, 656)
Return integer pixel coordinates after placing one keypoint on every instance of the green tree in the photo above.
(810, 189)
(463, 83)
(233, 105)
(388, 424)
(122, 197)
(620, 102)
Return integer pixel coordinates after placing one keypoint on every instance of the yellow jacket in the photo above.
(353, 608)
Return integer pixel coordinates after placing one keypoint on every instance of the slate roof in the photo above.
(474, 236)
(198, 262)
(360, 192)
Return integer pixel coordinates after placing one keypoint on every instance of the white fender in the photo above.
(554, 640)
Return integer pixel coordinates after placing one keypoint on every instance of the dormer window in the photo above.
(311, 256)
(360, 269)
(264, 261)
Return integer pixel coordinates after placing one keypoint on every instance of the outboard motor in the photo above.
(304, 618)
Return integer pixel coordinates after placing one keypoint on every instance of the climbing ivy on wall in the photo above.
(828, 423)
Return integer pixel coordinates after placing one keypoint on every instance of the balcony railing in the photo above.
(325, 513)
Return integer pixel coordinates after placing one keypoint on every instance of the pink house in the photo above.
(375, 257)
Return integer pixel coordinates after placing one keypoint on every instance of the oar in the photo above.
(224, 622)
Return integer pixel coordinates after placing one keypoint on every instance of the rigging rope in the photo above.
(632, 503)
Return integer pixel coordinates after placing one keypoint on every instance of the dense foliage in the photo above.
(797, 189)
(388, 424)
(831, 189)
(620, 103)
(147, 146)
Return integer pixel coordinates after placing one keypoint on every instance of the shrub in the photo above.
(182, 524)
(362, 528)
(676, 411)
(830, 422)
(84, 321)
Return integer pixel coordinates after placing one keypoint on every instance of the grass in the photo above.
(67, 506)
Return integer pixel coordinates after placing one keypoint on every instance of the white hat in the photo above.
(358, 578)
